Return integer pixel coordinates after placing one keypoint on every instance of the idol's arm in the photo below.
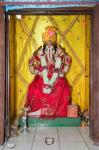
(33, 65)
(34, 62)
(66, 68)
(68, 61)
(31, 68)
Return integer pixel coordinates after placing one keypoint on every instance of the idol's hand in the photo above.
(66, 68)
(31, 68)
(38, 72)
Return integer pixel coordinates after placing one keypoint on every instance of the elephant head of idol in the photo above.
(49, 38)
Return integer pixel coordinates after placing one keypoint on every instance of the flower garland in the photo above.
(49, 83)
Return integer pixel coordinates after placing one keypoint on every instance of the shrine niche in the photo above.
(73, 36)
(93, 62)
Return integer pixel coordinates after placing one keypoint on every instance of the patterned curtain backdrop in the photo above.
(26, 37)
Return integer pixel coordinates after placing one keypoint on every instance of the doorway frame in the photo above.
(94, 69)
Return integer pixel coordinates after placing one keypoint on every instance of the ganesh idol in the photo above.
(49, 93)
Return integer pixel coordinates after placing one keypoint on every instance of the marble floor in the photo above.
(66, 138)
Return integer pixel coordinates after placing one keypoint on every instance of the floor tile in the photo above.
(91, 146)
(85, 133)
(1, 147)
(43, 132)
(73, 146)
(24, 136)
(43, 146)
(20, 146)
(69, 134)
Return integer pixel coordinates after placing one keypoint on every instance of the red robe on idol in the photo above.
(51, 99)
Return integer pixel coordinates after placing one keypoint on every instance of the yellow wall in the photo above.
(26, 37)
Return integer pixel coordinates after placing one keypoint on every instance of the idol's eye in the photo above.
(53, 49)
(46, 49)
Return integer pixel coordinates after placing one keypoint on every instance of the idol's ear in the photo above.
(63, 49)
(37, 51)
(60, 50)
